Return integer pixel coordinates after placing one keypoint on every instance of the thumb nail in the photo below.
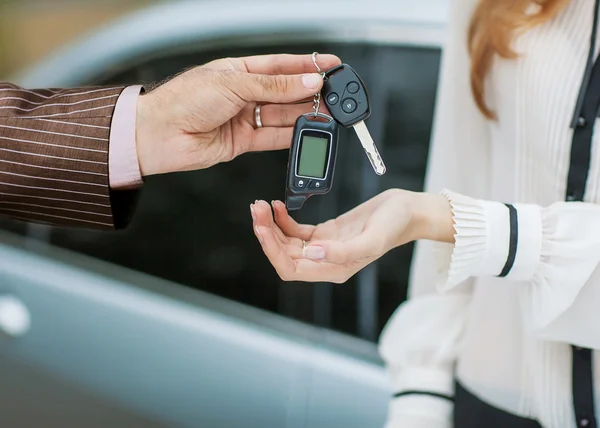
(315, 253)
(311, 81)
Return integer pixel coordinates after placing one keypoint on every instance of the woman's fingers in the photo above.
(288, 225)
(275, 252)
(309, 271)
(359, 250)
(291, 264)
(325, 260)
(290, 269)
(262, 216)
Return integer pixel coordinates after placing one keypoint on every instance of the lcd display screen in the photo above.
(313, 156)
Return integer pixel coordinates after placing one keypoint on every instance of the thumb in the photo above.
(276, 89)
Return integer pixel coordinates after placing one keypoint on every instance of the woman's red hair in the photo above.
(494, 25)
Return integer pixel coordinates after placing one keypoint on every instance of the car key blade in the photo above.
(369, 145)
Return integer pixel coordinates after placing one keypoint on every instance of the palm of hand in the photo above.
(227, 131)
(337, 249)
(218, 134)
(225, 142)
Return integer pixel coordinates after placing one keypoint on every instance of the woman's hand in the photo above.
(335, 250)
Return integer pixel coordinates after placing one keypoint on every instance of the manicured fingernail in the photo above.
(252, 213)
(315, 253)
(260, 238)
(311, 81)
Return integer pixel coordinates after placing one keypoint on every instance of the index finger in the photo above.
(275, 252)
(288, 63)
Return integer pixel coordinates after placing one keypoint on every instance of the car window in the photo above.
(195, 228)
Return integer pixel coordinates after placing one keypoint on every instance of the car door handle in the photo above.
(15, 319)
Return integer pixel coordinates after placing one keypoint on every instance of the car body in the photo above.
(179, 321)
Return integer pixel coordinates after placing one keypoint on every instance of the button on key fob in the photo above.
(347, 99)
(345, 95)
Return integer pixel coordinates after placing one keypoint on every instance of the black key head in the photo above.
(345, 95)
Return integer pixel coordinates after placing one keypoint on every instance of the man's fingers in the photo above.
(288, 64)
(265, 139)
(282, 114)
(288, 225)
(279, 89)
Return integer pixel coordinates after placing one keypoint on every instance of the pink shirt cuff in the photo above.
(123, 167)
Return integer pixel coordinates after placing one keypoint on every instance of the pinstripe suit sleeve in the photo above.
(54, 157)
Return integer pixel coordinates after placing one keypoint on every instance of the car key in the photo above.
(311, 161)
(347, 99)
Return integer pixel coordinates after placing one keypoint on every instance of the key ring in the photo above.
(321, 115)
(317, 97)
(314, 59)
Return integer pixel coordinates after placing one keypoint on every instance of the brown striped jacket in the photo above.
(54, 157)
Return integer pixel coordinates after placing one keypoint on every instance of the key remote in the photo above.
(347, 99)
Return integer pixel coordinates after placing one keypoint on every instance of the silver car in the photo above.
(180, 321)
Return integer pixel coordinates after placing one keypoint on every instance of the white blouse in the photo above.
(506, 339)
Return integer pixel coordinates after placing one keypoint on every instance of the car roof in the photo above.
(186, 24)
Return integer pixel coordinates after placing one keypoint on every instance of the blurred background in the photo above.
(180, 320)
(32, 29)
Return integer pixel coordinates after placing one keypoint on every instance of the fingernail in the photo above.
(252, 213)
(260, 238)
(315, 253)
(311, 81)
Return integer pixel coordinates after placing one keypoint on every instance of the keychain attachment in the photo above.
(317, 97)
(313, 151)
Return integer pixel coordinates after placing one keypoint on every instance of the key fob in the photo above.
(345, 95)
(311, 162)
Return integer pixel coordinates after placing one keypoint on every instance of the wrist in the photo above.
(145, 135)
(432, 218)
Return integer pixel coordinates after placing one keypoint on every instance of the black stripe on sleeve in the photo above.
(429, 393)
(514, 241)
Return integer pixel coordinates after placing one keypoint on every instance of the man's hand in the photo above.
(206, 115)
